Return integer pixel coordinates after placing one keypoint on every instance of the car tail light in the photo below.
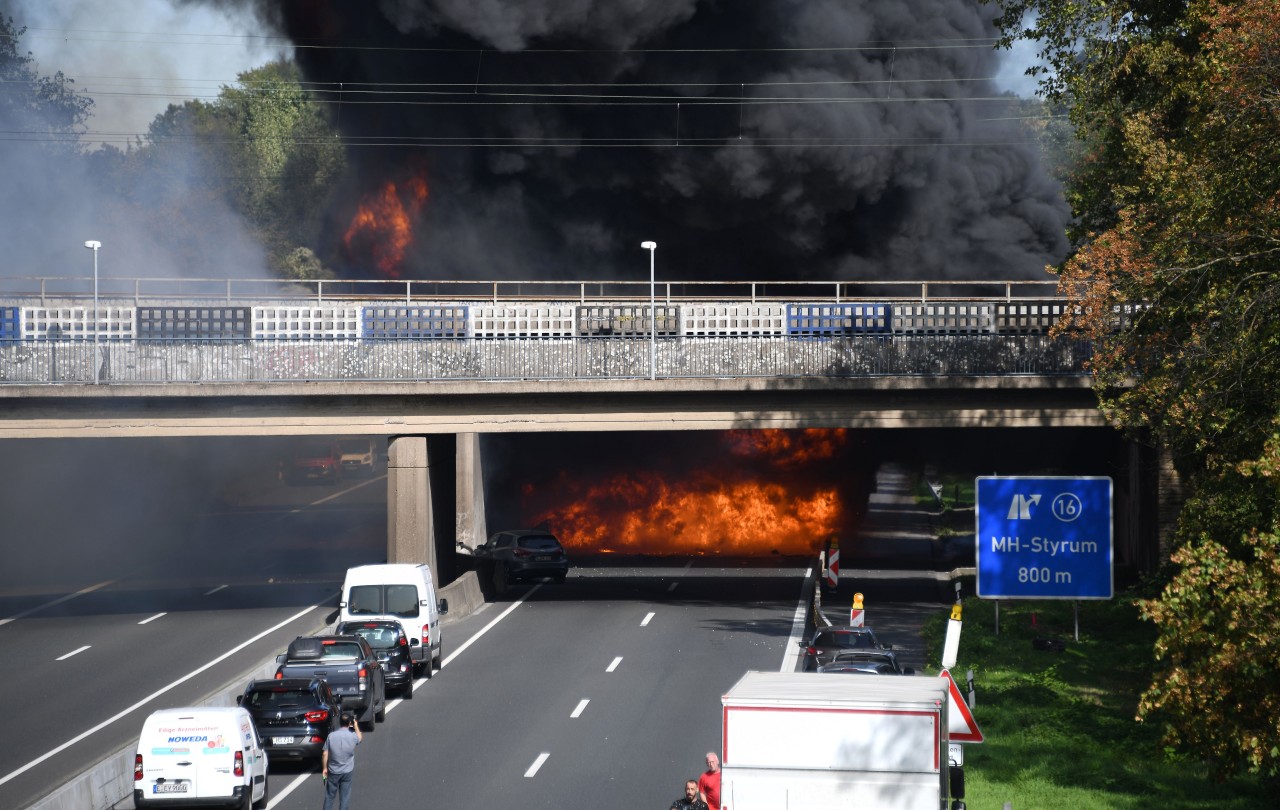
(522, 552)
(364, 679)
(811, 650)
(404, 641)
(317, 716)
(137, 767)
(279, 675)
(239, 768)
(316, 738)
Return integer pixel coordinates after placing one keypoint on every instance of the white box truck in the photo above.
(822, 741)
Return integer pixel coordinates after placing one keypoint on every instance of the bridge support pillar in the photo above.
(410, 534)
(471, 529)
(423, 493)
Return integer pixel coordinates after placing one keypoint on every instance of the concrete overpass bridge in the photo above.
(435, 372)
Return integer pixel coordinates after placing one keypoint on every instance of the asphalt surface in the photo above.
(602, 690)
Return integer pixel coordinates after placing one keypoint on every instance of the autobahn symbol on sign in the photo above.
(1044, 538)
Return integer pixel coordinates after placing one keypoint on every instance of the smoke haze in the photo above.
(781, 139)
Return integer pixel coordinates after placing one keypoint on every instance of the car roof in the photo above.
(526, 532)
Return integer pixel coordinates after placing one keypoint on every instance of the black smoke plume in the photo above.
(776, 139)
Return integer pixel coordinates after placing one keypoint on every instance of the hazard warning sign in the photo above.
(960, 720)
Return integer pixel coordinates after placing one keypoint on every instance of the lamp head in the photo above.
(649, 245)
(93, 244)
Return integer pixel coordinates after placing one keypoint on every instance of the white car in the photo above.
(357, 455)
(206, 755)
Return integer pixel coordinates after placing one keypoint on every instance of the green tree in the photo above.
(44, 107)
(264, 149)
(1177, 195)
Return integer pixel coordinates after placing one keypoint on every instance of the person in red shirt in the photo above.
(709, 782)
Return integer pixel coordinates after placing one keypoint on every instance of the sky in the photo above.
(911, 170)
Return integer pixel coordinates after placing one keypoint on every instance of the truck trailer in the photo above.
(821, 741)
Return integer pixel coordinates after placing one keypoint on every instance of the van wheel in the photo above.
(261, 804)
(428, 666)
(439, 656)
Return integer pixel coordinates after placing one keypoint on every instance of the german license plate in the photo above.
(170, 787)
(282, 740)
(544, 557)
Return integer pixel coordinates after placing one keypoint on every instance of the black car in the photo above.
(828, 641)
(527, 553)
(294, 715)
(391, 645)
(873, 662)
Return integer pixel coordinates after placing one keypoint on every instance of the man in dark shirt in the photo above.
(690, 800)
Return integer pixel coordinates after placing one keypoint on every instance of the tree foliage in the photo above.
(264, 151)
(44, 107)
(1177, 106)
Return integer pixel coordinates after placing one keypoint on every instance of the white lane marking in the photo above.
(279, 795)
(537, 763)
(688, 565)
(797, 629)
(73, 652)
(582, 705)
(153, 618)
(648, 618)
(215, 590)
(57, 601)
(614, 665)
(156, 694)
(672, 587)
(445, 662)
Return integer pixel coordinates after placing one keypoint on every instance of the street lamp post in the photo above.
(93, 245)
(652, 247)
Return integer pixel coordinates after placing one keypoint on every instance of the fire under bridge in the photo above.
(434, 368)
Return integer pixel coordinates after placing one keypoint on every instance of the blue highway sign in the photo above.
(1044, 538)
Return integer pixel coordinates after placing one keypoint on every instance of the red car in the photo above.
(318, 460)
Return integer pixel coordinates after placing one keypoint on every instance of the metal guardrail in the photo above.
(568, 358)
(73, 288)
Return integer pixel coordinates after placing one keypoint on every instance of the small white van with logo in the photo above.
(206, 755)
(399, 592)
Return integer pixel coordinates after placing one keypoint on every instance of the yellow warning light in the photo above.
(857, 601)
(955, 612)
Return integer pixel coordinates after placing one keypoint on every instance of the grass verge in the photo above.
(1059, 726)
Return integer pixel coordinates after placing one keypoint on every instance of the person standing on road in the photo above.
(691, 800)
(338, 762)
(709, 782)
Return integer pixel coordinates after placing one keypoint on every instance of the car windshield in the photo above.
(379, 638)
(314, 451)
(278, 698)
(355, 447)
(540, 542)
(844, 639)
(340, 649)
(392, 600)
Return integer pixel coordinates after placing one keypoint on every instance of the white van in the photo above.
(399, 592)
(206, 755)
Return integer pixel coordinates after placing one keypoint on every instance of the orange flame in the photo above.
(383, 224)
(715, 511)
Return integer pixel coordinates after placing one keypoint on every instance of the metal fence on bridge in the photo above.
(159, 362)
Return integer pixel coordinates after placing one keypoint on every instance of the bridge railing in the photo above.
(77, 288)
(159, 362)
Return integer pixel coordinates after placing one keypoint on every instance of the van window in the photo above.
(402, 601)
(391, 600)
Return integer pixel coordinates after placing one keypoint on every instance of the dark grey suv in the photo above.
(526, 554)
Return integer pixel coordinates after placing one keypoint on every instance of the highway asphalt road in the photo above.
(602, 690)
